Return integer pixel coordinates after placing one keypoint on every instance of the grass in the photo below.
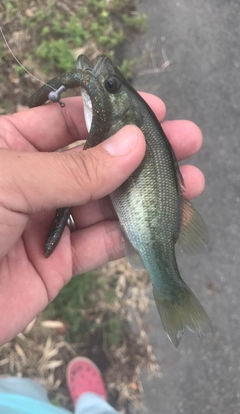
(73, 303)
(77, 294)
(47, 37)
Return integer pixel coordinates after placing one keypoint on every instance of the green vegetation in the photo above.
(47, 37)
(76, 296)
(138, 21)
(55, 54)
(72, 306)
(56, 31)
(127, 67)
(4, 104)
(114, 330)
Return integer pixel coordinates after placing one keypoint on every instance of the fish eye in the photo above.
(112, 84)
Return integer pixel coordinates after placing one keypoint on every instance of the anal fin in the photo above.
(193, 236)
(132, 254)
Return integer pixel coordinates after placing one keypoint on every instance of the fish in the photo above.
(153, 213)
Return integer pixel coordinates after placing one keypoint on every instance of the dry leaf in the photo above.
(21, 353)
(54, 364)
(52, 324)
(30, 326)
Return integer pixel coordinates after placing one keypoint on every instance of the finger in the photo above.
(104, 239)
(22, 298)
(94, 212)
(194, 181)
(101, 210)
(42, 181)
(185, 137)
(156, 104)
(33, 181)
(50, 126)
(47, 127)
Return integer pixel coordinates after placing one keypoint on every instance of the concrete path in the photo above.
(202, 41)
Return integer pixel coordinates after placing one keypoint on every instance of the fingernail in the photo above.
(122, 143)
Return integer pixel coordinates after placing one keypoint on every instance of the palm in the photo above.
(28, 281)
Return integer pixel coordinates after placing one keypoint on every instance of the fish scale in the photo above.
(152, 211)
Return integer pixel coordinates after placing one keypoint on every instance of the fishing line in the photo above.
(10, 50)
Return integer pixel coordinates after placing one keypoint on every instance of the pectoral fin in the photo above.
(132, 254)
(193, 236)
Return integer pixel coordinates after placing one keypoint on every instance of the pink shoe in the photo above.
(84, 376)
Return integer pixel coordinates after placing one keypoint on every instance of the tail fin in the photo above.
(187, 312)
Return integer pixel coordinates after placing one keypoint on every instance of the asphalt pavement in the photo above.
(201, 40)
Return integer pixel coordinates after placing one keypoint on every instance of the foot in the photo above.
(84, 376)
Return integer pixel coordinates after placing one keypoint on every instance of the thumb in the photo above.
(34, 182)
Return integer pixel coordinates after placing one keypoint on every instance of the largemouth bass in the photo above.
(153, 213)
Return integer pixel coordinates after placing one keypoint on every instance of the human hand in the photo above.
(34, 183)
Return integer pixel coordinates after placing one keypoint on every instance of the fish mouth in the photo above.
(100, 68)
(97, 68)
(87, 108)
(84, 64)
